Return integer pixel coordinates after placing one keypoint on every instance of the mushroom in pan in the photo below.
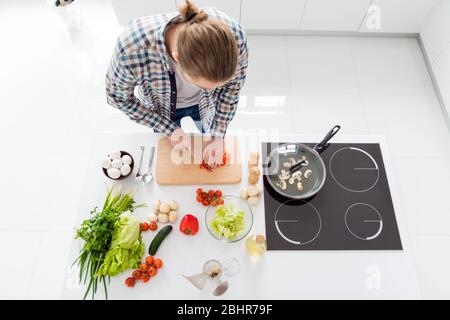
(282, 184)
(308, 174)
(297, 175)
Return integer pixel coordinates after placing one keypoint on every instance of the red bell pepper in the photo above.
(189, 225)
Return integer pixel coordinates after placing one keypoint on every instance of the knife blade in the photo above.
(207, 167)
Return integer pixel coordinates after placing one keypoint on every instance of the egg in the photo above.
(106, 162)
(125, 169)
(116, 163)
(115, 154)
(113, 173)
(126, 159)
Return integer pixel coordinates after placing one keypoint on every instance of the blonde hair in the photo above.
(206, 47)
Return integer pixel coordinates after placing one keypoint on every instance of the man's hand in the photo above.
(213, 152)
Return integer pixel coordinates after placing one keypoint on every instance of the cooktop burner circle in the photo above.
(298, 222)
(354, 169)
(363, 221)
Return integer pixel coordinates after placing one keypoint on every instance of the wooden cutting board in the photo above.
(173, 169)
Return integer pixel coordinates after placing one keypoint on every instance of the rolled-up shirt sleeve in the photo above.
(229, 96)
(120, 85)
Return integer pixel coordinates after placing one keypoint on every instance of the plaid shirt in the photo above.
(141, 83)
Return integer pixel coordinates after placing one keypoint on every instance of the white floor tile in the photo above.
(267, 72)
(432, 263)
(49, 268)
(414, 125)
(390, 66)
(263, 112)
(316, 114)
(321, 65)
(54, 100)
(424, 190)
(43, 191)
(20, 250)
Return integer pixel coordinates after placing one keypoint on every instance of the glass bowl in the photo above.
(241, 205)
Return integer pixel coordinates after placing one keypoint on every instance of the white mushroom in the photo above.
(308, 173)
(173, 216)
(287, 164)
(252, 190)
(291, 180)
(173, 205)
(299, 186)
(297, 175)
(259, 188)
(113, 173)
(253, 201)
(164, 208)
(291, 161)
(106, 162)
(126, 159)
(282, 184)
(152, 217)
(115, 154)
(125, 169)
(163, 217)
(116, 163)
(284, 175)
(244, 193)
(156, 204)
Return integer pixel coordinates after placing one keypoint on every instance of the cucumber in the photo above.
(158, 239)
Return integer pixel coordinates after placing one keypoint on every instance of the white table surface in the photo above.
(277, 275)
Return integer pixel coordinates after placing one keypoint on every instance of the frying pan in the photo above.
(289, 159)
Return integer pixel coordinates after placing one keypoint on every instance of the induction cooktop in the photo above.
(353, 210)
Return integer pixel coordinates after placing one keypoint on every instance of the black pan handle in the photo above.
(322, 144)
(297, 165)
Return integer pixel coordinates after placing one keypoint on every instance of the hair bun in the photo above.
(189, 13)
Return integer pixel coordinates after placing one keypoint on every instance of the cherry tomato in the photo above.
(136, 274)
(204, 194)
(158, 263)
(199, 191)
(143, 267)
(144, 226)
(153, 226)
(199, 199)
(145, 277)
(218, 193)
(149, 260)
(206, 202)
(129, 282)
(210, 193)
(152, 271)
(221, 201)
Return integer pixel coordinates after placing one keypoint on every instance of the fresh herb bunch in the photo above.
(97, 234)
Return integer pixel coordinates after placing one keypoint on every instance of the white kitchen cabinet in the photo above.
(272, 15)
(230, 7)
(130, 9)
(398, 16)
(435, 31)
(332, 15)
(441, 70)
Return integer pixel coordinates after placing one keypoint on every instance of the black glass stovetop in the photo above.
(353, 210)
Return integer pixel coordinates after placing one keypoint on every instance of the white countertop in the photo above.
(278, 275)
